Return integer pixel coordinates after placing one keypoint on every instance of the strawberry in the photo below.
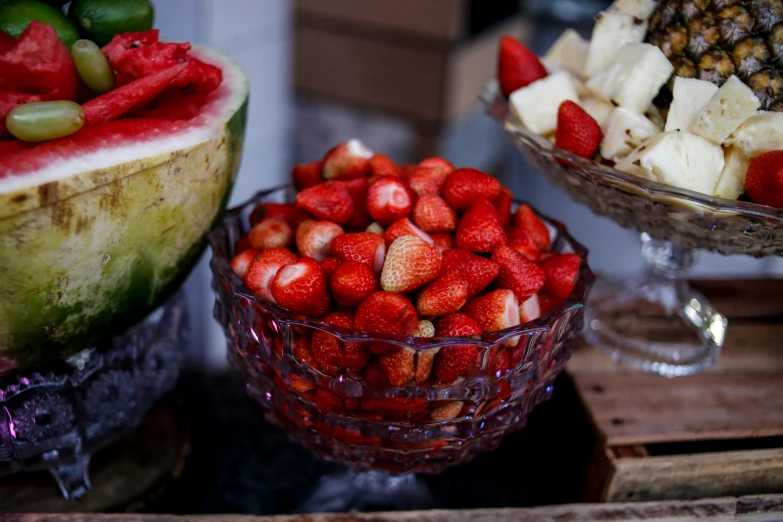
(500, 363)
(381, 165)
(302, 287)
(527, 220)
(478, 272)
(389, 199)
(446, 412)
(561, 273)
(352, 283)
(479, 230)
(518, 66)
(443, 242)
(375, 228)
(445, 295)
(398, 366)
(425, 359)
(242, 262)
(438, 163)
(464, 186)
(530, 310)
(271, 233)
(307, 175)
(494, 310)
(425, 329)
(314, 238)
(329, 265)
(518, 273)
(577, 131)
(283, 211)
(264, 268)
(764, 180)
(432, 214)
(347, 160)
(360, 218)
(331, 353)
(453, 361)
(329, 200)
(364, 247)
(301, 350)
(374, 376)
(427, 180)
(388, 314)
(520, 240)
(242, 244)
(355, 357)
(547, 303)
(404, 227)
(410, 263)
(502, 205)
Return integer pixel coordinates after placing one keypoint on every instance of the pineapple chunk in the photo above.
(536, 105)
(732, 180)
(760, 133)
(598, 108)
(610, 33)
(568, 52)
(637, 73)
(639, 8)
(680, 159)
(625, 131)
(689, 96)
(728, 108)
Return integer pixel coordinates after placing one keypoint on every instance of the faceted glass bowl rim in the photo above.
(228, 231)
(497, 107)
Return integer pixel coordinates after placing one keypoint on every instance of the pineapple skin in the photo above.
(714, 39)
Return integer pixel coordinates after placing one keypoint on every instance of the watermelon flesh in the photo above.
(98, 227)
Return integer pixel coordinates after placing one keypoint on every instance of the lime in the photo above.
(102, 19)
(16, 15)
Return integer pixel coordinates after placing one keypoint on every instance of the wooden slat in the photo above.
(760, 507)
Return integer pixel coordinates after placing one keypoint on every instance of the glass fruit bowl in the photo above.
(353, 419)
(673, 222)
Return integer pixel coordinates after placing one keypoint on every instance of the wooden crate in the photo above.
(714, 434)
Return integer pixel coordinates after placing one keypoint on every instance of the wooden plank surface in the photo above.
(751, 508)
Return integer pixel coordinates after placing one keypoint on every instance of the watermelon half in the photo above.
(97, 228)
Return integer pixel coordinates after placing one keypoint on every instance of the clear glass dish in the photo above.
(673, 222)
(415, 428)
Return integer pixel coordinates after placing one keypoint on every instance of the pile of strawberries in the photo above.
(421, 250)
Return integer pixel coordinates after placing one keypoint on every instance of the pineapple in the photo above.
(610, 33)
(732, 180)
(688, 97)
(625, 130)
(715, 39)
(760, 133)
(598, 108)
(536, 105)
(726, 111)
(634, 77)
(569, 52)
(641, 9)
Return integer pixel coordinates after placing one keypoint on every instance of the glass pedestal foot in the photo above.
(368, 491)
(654, 321)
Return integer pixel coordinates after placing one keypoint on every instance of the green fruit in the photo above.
(92, 66)
(102, 19)
(16, 15)
(44, 121)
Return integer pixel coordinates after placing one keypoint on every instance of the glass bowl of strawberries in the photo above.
(402, 319)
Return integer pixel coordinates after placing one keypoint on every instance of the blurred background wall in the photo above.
(404, 77)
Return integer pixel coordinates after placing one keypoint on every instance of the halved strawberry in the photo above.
(302, 287)
(386, 313)
(518, 273)
(427, 180)
(464, 186)
(478, 272)
(329, 200)
(360, 218)
(242, 262)
(437, 162)
(432, 214)
(389, 199)
(527, 220)
(520, 240)
(271, 233)
(503, 206)
(561, 273)
(577, 131)
(398, 366)
(443, 242)
(480, 230)
(306, 175)
(764, 181)
(404, 227)
(445, 295)
(352, 282)
(314, 238)
(347, 160)
(364, 247)
(494, 310)
(530, 310)
(381, 165)
(410, 263)
(330, 264)
(453, 361)
(518, 66)
(283, 211)
(264, 268)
